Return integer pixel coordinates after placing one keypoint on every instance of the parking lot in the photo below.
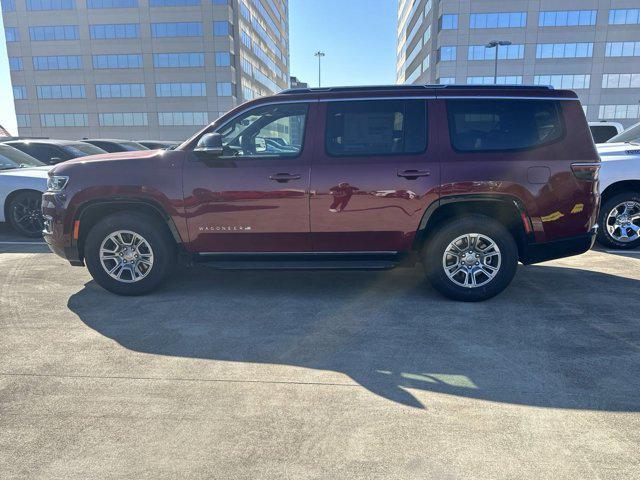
(343, 374)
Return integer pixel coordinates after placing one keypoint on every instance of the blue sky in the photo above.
(357, 36)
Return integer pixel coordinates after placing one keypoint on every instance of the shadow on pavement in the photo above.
(557, 338)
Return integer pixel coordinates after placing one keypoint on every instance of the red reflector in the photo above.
(526, 223)
(587, 171)
(76, 229)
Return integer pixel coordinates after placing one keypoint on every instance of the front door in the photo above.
(255, 197)
(374, 174)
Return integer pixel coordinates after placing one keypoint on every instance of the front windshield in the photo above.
(83, 149)
(132, 146)
(13, 158)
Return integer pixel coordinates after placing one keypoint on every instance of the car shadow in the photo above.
(557, 338)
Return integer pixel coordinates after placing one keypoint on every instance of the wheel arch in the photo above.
(619, 187)
(506, 209)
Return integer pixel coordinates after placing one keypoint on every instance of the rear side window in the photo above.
(503, 125)
(376, 127)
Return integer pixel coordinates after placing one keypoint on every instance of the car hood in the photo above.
(617, 149)
(30, 172)
(111, 157)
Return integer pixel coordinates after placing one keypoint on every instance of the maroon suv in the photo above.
(468, 180)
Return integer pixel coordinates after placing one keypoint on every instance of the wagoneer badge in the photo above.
(223, 228)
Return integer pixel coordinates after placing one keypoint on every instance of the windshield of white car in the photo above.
(11, 158)
(630, 135)
(83, 149)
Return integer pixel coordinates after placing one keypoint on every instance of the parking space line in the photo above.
(624, 252)
(23, 243)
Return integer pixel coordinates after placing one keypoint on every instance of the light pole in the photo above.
(496, 44)
(319, 54)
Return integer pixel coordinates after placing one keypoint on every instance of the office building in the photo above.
(140, 69)
(590, 46)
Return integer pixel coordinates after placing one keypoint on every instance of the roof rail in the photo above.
(497, 87)
(356, 88)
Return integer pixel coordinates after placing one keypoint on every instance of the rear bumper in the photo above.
(567, 247)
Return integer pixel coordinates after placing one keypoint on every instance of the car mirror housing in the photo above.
(210, 143)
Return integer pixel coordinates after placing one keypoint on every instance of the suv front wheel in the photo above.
(471, 258)
(129, 253)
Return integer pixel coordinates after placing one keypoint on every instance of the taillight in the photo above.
(587, 171)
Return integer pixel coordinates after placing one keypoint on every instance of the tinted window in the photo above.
(14, 158)
(384, 127)
(602, 133)
(270, 131)
(82, 150)
(490, 125)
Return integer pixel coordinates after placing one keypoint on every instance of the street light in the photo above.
(319, 54)
(496, 44)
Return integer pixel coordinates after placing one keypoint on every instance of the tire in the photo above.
(156, 248)
(610, 233)
(500, 259)
(24, 214)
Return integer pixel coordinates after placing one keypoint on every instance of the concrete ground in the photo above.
(324, 375)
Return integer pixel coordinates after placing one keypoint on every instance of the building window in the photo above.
(63, 120)
(20, 92)
(12, 34)
(223, 59)
(446, 80)
(117, 61)
(619, 111)
(498, 20)
(447, 53)
(177, 29)
(388, 127)
(489, 80)
(182, 118)
(50, 92)
(36, 5)
(57, 62)
(97, 4)
(178, 60)
(15, 64)
(181, 90)
(505, 52)
(426, 63)
(23, 120)
(224, 89)
(564, 50)
(563, 81)
(629, 16)
(245, 38)
(449, 21)
(427, 35)
(221, 29)
(621, 80)
(247, 93)
(413, 76)
(120, 90)
(503, 125)
(622, 49)
(173, 3)
(123, 119)
(8, 5)
(117, 30)
(570, 18)
(58, 32)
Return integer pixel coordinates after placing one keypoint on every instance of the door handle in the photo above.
(413, 174)
(284, 177)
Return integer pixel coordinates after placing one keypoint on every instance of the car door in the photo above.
(374, 174)
(255, 196)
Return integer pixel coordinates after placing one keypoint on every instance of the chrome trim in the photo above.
(355, 99)
(221, 254)
(496, 97)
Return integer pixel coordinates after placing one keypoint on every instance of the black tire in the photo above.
(436, 245)
(152, 231)
(604, 237)
(24, 213)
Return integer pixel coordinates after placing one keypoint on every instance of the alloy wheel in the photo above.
(27, 215)
(623, 222)
(472, 260)
(126, 256)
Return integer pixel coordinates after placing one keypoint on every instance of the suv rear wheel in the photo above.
(129, 253)
(620, 221)
(471, 258)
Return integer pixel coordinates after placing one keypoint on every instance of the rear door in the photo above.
(374, 172)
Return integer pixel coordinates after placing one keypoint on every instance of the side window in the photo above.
(376, 127)
(503, 125)
(268, 131)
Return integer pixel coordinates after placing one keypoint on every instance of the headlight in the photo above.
(56, 183)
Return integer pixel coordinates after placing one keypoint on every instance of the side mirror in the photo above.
(210, 143)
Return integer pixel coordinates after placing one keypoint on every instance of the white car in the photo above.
(620, 189)
(22, 181)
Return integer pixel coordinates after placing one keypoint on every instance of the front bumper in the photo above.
(567, 247)
(58, 234)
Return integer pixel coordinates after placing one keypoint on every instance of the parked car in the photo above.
(631, 134)
(158, 144)
(496, 174)
(23, 179)
(620, 186)
(603, 131)
(51, 152)
(113, 146)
